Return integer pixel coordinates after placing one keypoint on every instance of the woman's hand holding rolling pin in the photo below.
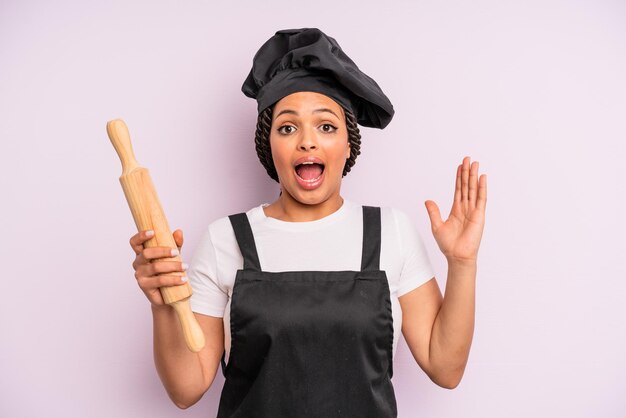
(149, 270)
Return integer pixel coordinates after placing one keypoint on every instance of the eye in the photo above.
(284, 132)
(326, 126)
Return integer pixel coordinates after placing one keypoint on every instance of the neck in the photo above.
(286, 208)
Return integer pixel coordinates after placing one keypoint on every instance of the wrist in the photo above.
(462, 262)
(160, 309)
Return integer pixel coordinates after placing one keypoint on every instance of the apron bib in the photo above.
(310, 344)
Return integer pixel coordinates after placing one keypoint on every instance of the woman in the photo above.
(313, 317)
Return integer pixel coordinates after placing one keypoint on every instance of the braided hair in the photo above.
(264, 151)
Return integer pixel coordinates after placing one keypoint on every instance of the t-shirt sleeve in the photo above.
(417, 268)
(209, 297)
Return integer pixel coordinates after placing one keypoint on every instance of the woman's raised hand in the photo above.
(148, 268)
(459, 236)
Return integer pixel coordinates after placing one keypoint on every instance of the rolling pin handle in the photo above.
(120, 138)
(194, 336)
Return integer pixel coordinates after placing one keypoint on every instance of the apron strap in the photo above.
(223, 362)
(370, 259)
(245, 240)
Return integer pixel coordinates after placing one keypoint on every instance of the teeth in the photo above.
(309, 181)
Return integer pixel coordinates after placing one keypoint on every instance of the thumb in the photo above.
(178, 238)
(433, 214)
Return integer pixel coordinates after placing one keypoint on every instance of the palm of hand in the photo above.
(459, 236)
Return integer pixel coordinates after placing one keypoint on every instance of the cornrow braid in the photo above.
(262, 141)
(264, 151)
(354, 138)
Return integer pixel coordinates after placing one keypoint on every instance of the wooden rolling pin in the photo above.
(148, 214)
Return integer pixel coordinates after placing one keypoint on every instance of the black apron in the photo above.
(310, 344)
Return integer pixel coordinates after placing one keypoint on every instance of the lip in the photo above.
(309, 184)
(308, 159)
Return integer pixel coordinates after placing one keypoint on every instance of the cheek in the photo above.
(338, 154)
(342, 151)
(280, 156)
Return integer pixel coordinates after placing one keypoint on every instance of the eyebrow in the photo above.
(293, 112)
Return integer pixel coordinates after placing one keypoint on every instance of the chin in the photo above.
(309, 197)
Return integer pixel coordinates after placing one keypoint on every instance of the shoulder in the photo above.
(400, 227)
(396, 216)
(392, 217)
(222, 226)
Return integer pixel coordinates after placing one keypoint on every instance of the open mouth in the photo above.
(309, 171)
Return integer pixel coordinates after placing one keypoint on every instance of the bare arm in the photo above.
(185, 375)
(438, 330)
(453, 329)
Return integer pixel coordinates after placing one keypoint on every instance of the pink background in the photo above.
(533, 90)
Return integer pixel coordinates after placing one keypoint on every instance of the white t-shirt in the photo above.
(333, 243)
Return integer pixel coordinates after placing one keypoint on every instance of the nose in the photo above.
(308, 141)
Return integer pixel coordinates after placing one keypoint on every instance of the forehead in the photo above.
(306, 102)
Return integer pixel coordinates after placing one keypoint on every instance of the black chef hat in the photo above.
(308, 60)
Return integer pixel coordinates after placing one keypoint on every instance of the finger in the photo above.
(170, 280)
(481, 202)
(160, 267)
(457, 187)
(473, 184)
(139, 261)
(154, 282)
(178, 238)
(465, 180)
(433, 214)
(137, 240)
(153, 253)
